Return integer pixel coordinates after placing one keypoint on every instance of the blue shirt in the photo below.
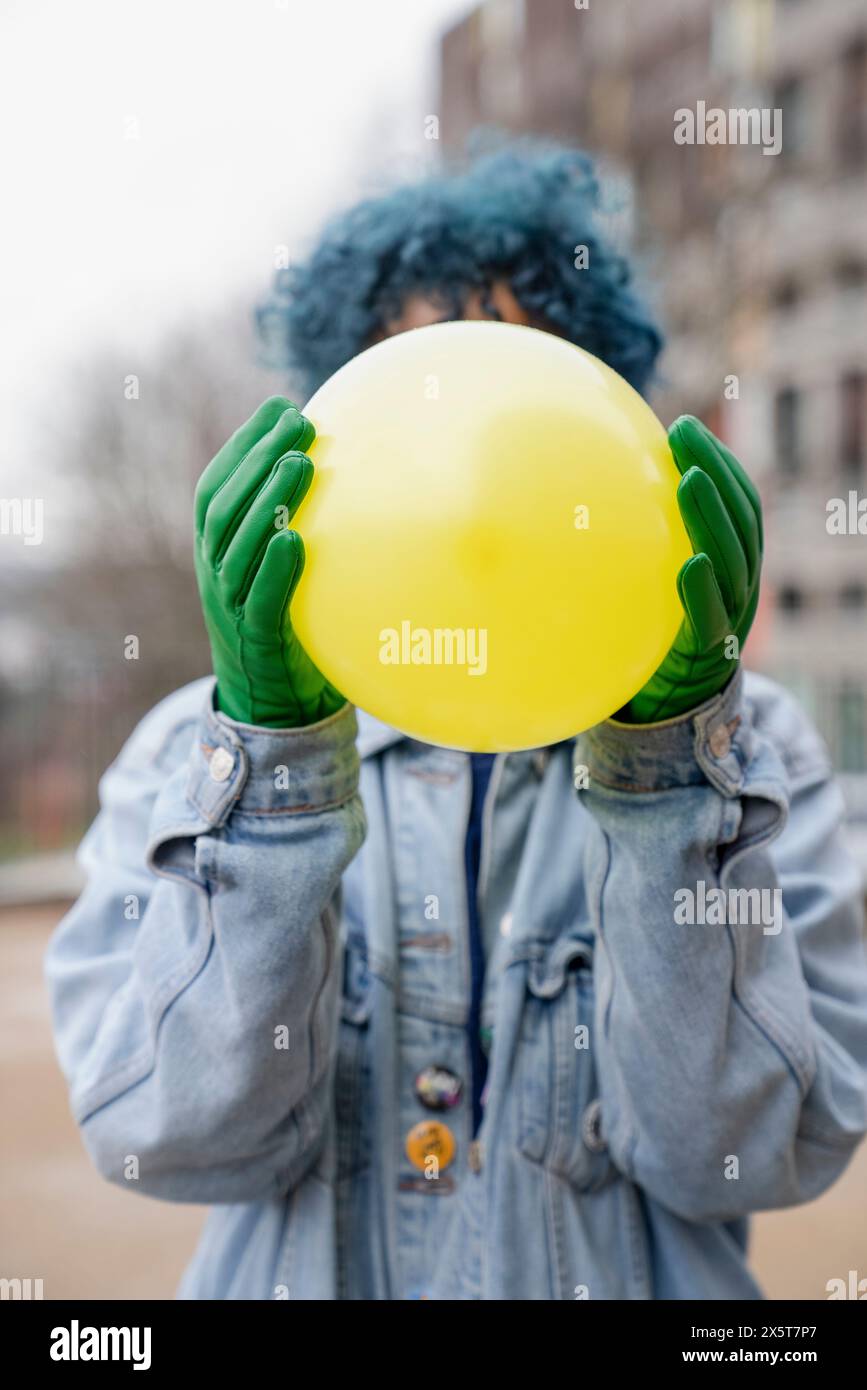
(481, 764)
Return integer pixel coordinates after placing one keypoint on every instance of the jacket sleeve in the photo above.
(194, 985)
(731, 1029)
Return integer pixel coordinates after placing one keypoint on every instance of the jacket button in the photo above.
(430, 1140)
(221, 764)
(591, 1127)
(438, 1088)
(720, 741)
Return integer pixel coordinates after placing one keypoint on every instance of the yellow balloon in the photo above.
(492, 537)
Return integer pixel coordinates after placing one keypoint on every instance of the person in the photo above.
(424, 1024)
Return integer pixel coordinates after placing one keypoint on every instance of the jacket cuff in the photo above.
(712, 743)
(271, 772)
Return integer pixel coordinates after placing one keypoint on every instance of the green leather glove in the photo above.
(248, 566)
(718, 586)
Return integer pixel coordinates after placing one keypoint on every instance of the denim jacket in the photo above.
(272, 944)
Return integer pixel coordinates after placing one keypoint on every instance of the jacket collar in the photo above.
(373, 735)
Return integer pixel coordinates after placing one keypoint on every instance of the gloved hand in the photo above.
(718, 586)
(248, 566)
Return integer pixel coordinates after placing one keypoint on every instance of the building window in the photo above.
(852, 117)
(787, 431)
(790, 97)
(850, 273)
(851, 747)
(790, 600)
(785, 294)
(853, 597)
(853, 412)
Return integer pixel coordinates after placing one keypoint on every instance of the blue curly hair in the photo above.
(514, 214)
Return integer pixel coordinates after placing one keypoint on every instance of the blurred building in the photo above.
(757, 263)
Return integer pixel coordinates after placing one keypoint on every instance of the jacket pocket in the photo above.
(561, 1125)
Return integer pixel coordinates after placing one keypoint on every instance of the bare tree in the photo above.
(131, 456)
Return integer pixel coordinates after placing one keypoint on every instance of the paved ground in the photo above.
(60, 1221)
(86, 1239)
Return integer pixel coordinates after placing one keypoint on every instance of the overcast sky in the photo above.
(155, 151)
